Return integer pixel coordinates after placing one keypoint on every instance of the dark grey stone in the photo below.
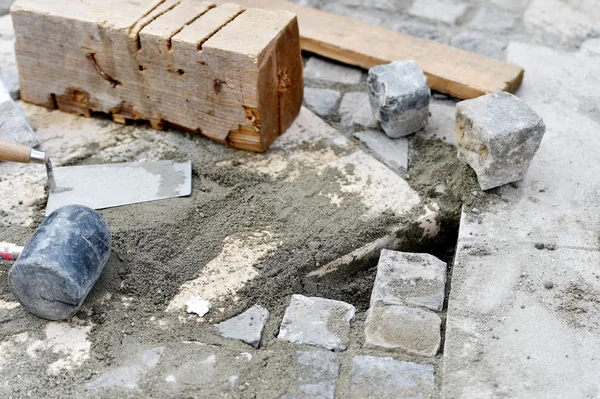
(399, 97)
(498, 136)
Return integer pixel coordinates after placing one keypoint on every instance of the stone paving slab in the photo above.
(320, 69)
(386, 378)
(521, 318)
(402, 329)
(392, 152)
(316, 373)
(317, 321)
(410, 279)
(321, 101)
(355, 111)
(8, 64)
(247, 327)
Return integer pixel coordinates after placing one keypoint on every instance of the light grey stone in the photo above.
(506, 335)
(128, 377)
(320, 69)
(13, 122)
(591, 47)
(488, 19)
(247, 327)
(512, 5)
(441, 123)
(317, 321)
(8, 64)
(392, 152)
(5, 6)
(498, 136)
(558, 22)
(355, 111)
(386, 378)
(321, 101)
(403, 329)
(447, 11)
(316, 373)
(479, 44)
(411, 279)
(399, 97)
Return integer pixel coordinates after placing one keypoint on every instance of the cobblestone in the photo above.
(386, 378)
(403, 329)
(317, 321)
(561, 22)
(498, 136)
(491, 20)
(320, 69)
(479, 44)
(446, 11)
(399, 97)
(247, 327)
(321, 101)
(410, 279)
(392, 152)
(316, 373)
(355, 111)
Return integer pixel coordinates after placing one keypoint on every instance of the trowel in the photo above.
(106, 185)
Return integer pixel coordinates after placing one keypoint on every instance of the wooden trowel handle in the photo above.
(13, 152)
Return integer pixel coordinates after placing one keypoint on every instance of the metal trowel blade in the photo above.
(110, 185)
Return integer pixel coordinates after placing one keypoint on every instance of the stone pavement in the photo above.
(523, 312)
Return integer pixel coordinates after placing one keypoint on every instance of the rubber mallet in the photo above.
(56, 270)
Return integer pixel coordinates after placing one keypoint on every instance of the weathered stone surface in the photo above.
(591, 47)
(321, 101)
(399, 97)
(479, 44)
(13, 122)
(410, 279)
(189, 368)
(506, 334)
(355, 111)
(386, 378)
(392, 152)
(127, 377)
(319, 69)
(422, 30)
(447, 11)
(441, 124)
(498, 135)
(558, 21)
(246, 327)
(403, 329)
(5, 6)
(317, 321)
(492, 20)
(512, 5)
(316, 373)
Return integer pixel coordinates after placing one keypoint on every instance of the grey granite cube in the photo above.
(498, 135)
(399, 97)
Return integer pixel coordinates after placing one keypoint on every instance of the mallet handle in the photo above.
(10, 251)
(13, 152)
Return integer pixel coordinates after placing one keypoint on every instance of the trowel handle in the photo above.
(13, 152)
(10, 251)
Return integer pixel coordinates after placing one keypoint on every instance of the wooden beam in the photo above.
(229, 72)
(449, 70)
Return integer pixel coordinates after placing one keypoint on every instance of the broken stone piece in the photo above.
(321, 101)
(318, 322)
(246, 327)
(498, 135)
(399, 97)
(13, 122)
(316, 374)
(386, 378)
(403, 329)
(411, 279)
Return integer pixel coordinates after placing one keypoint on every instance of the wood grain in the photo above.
(231, 73)
(449, 70)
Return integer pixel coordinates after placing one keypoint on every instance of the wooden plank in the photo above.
(449, 70)
(218, 70)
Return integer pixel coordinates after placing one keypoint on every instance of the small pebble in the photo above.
(548, 285)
